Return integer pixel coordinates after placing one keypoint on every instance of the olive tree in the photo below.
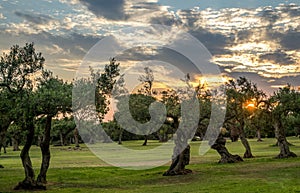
(17, 70)
(53, 96)
(239, 94)
(284, 102)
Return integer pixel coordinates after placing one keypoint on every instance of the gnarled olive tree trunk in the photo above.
(146, 140)
(181, 155)
(179, 162)
(281, 141)
(45, 144)
(248, 153)
(29, 182)
(226, 157)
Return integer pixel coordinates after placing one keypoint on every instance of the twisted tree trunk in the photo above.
(29, 182)
(226, 157)
(146, 140)
(45, 144)
(179, 162)
(248, 153)
(181, 155)
(282, 142)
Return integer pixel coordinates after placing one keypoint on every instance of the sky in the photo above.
(253, 38)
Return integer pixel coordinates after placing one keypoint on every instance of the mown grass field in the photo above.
(81, 171)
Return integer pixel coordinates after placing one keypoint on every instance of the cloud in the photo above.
(146, 5)
(110, 9)
(214, 42)
(166, 19)
(62, 53)
(33, 24)
(264, 41)
(292, 9)
(34, 18)
(55, 49)
(2, 16)
(277, 58)
(269, 15)
(126, 10)
(291, 40)
(147, 11)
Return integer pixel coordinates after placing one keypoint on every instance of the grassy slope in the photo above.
(81, 171)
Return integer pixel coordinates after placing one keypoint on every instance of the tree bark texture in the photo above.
(181, 155)
(29, 182)
(45, 144)
(179, 162)
(282, 141)
(226, 157)
(248, 153)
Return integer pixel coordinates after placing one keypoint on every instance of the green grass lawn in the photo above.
(81, 171)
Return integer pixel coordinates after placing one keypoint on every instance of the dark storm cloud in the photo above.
(269, 15)
(77, 44)
(214, 42)
(189, 17)
(244, 35)
(110, 9)
(163, 54)
(293, 80)
(291, 40)
(277, 57)
(36, 19)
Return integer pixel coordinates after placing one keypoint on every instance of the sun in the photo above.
(251, 105)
